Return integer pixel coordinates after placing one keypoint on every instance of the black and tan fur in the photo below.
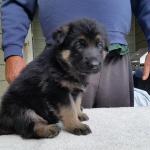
(50, 88)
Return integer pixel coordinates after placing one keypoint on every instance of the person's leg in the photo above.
(113, 87)
(116, 82)
(88, 100)
(131, 84)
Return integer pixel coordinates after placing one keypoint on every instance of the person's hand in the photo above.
(146, 67)
(13, 66)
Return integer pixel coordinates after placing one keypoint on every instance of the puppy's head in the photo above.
(80, 46)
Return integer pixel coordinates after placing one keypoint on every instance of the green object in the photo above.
(120, 48)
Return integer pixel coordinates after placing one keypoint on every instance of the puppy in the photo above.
(50, 88)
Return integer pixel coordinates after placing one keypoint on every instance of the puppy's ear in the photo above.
(103, 32)
(106, 43)
(106, 46)
(104, 36)
(60, 34)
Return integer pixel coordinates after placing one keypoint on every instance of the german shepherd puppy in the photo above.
(50, 88)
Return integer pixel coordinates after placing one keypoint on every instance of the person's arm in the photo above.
(16, 18)
(141, 9)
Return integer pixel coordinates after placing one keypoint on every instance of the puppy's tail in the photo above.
(5, 131)
(5, 127)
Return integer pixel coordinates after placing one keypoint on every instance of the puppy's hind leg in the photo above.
(31, 125)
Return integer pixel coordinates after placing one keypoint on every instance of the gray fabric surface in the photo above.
(112, 129)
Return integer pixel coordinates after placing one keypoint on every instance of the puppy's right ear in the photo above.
(60, 34)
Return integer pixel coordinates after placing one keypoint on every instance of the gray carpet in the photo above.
(112, 129)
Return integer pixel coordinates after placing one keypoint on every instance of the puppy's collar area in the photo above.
(72, 85)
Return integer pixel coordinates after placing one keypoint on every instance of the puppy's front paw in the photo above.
(81, 129)
(83, 117)
(53, 130)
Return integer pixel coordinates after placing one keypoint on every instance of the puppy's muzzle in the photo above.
(93, 63)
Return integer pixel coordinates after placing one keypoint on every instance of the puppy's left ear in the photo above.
(103, 32)
(106, 43)
(60, 34)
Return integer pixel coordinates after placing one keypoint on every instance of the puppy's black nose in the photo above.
(93, 63)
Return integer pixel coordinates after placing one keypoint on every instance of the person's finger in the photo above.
(146, 67)
(146, 72)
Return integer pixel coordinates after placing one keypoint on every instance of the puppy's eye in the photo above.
(80, 44)
(99, 45)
